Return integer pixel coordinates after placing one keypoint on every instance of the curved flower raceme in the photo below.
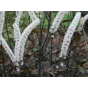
(57, 21)
(69, 34)
(23, 38)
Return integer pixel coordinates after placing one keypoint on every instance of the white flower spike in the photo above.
(69, 34)
(57, 21)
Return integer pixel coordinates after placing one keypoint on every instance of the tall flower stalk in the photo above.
(69, 34)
